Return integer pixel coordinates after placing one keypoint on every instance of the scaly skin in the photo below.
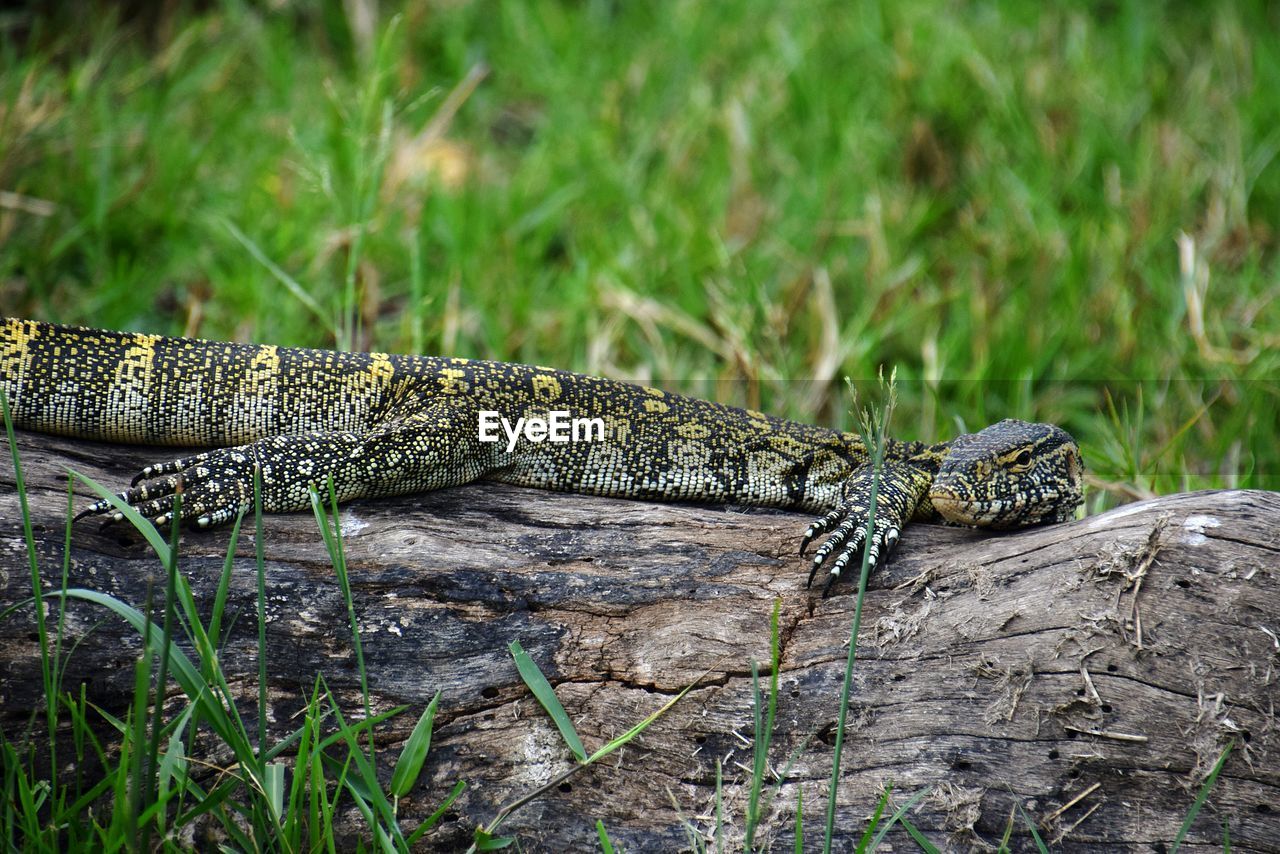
(390, 425)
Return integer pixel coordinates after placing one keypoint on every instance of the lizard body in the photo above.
(381, 424)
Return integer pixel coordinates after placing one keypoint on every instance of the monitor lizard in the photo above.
(380, 424)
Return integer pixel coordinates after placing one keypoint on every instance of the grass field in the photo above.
(1065, 213)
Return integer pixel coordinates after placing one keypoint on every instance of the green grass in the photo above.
(740, 200)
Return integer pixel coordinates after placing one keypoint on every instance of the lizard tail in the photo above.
(152, 389)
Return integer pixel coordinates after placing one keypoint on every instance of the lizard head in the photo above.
(1010, 475)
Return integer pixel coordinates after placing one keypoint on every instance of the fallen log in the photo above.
(1092, 673)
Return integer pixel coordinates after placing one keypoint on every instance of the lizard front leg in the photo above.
(430, 445)
(901, 494)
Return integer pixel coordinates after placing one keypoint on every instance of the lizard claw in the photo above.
(848, 539)
(819, 527)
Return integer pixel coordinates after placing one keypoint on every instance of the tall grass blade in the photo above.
(719, 829)
(486, 832)
(149, 781)
(224, 587)
(1035, 832)
(606, 844)
(37, 587)
(136, 735)
(430, 822)
(173, 766)
(331, 531)
(627, 736)
(260, 566)
(273, 789)
(414, 753)
(366, 786)
(764, 722)
(919, 837)
(1201, 797)
(865, 841)
(294, 818)
(187, 674)
(897, 814)
(291, 285)
(874, 432)
(59, 633)
(144, 527)
(546, 696)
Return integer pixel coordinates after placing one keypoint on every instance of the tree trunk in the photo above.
(1092, 672)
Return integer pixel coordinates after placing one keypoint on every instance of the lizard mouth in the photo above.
(991, 513)
(983, 513)
(962, 511)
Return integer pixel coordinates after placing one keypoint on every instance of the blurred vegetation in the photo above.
(1062, 212)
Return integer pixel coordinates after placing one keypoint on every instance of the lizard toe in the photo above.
(135, 496)
(158, 510)
(172, 467)
(846, 539)
(820, 526)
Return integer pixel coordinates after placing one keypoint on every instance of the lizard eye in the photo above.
(1022, 460)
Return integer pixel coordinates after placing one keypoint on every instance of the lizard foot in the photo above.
(215, 485)
(847, 529)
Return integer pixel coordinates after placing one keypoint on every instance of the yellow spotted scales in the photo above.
(379, 424)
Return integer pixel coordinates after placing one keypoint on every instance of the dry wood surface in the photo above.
(1092, 672)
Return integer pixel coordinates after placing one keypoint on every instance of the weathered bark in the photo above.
(1112, 658)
